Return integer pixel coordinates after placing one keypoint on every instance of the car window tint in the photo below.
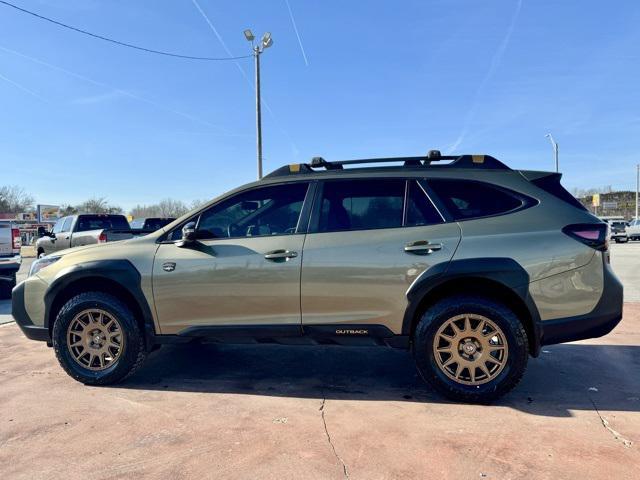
(99, 222)
(361, 205)
(259, 212)
(420, 210)
(66, 227)
(466, 199)
(57, 228)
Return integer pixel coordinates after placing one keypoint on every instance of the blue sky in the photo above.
(80, 117)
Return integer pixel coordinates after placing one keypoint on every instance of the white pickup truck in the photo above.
(10, 259)
(84, 229)
(633, 229)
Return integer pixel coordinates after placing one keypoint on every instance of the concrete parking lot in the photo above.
(297, 412)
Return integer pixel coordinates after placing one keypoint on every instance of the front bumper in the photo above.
(600, 321)
(19, 312)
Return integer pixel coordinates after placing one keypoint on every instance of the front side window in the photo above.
(265, 211)
(465, 199)
(361, 205)
(66, 227)
(57, 228)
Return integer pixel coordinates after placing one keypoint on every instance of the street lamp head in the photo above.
(248, 34)
(267, 41)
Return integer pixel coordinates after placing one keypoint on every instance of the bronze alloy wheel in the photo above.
(94, 338)
(470, 349)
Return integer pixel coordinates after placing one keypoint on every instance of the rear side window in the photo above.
(99, 222)
(465, 199)
(361, 205)
(420, 210)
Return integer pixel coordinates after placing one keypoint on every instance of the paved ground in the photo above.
(298, 412)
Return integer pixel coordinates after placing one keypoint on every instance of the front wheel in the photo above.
(470, 349)
(97, 339)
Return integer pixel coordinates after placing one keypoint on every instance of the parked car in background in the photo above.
(10, 259)
(150, 224)
(633, 230)
(84, 229)
(619, 231)
(470, 265)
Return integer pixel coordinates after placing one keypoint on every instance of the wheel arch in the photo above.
(116, 277)
(500, 279)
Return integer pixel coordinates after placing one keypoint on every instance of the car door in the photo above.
(63, 237)
(368, 242)
(50, 243)
(244, 269)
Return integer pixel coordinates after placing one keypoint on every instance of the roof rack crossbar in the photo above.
(457, 161)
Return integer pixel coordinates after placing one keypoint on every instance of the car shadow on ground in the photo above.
(564, 377)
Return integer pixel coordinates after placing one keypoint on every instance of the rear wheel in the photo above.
(97, 339)
(470, 349)
(40, 253)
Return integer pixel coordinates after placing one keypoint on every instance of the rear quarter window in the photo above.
(467, 199)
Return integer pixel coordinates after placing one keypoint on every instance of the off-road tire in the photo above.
(516, 338)
(133, 351)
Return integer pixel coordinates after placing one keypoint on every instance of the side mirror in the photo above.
(188, 235)
(42, 232)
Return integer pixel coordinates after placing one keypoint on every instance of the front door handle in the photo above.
(422, 247)
(280, 255)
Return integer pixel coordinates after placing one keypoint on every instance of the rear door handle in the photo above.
(422, 247)
(280, 255)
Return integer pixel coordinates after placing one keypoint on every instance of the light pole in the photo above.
(266, 42)
(637, 188)
(554, 144)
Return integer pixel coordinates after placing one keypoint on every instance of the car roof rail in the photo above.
(455, 161)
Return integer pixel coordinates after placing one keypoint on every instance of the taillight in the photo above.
(594, 235)
(102, 238)
(15, 238)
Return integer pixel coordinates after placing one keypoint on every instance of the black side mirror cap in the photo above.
(188, 235)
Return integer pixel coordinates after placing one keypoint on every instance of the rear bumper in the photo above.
(600, 321)
(19, 312)
(9, 266)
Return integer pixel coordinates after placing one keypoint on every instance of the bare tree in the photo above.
(144, 211)
(14, 199)
(197, 203)
(168, 207)
(172, 208)
(98, 205)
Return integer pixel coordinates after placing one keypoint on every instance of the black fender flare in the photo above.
(504, 271)
(122, 272)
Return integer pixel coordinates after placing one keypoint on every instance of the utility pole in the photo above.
(266, 42)
(554, 144)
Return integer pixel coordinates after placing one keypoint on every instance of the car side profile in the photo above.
(470, 265)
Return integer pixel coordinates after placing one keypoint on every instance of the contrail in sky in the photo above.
(495, 63)
(295, 28)
(114, 89)
(23, 88)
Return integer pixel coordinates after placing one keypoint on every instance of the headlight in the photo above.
(42, 263)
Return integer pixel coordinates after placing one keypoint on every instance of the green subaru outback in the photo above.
(470, 265)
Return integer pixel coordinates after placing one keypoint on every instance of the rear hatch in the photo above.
(6, 240)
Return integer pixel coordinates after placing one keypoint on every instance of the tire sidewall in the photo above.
(504, 318)
(130, 338)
